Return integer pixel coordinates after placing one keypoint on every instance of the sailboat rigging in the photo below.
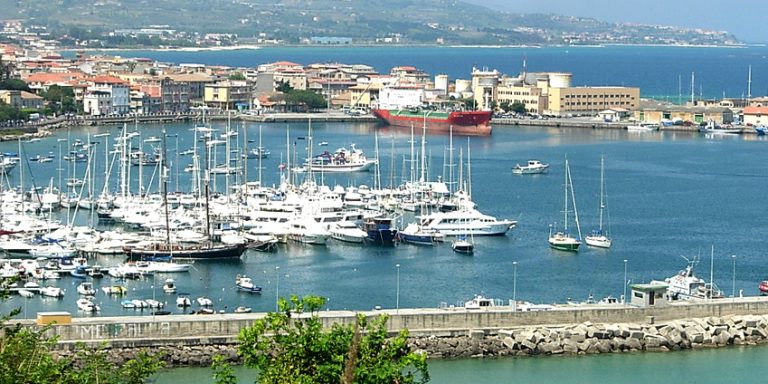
(599, 237)
(563, 240)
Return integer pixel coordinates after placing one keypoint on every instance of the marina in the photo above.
(647, 220)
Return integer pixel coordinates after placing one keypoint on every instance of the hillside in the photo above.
(404, 21)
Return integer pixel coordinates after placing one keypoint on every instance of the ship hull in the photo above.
(473, 123)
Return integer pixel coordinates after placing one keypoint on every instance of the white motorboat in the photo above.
(169, 286)
(152, 303)
(465, 222)
(86, 305)
(533, 167)
(204, 301)
(600, 238)
(242, 309)
(343, 160)
(480, 302)
(114, 290)
(183, 301)
(348, 231)
(462, 245)
(52, 291)
(415, 234)
(643, 127)
(139, 304)
(53, 250)
(147, 267)
(25, 293)
(245, 284)
(86, 289)
(307, 231)
(563, 241)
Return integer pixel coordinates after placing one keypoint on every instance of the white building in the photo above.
(116, 89)
(401, 96)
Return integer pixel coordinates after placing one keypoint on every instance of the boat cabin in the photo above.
(648, 295)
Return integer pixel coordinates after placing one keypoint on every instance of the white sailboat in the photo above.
(600, 238)
(563, 240)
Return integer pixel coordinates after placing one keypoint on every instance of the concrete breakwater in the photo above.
(456, 332)
(575, 339)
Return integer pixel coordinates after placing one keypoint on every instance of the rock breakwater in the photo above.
(589, 338)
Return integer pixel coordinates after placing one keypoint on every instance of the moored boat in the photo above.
(533, 167)
(245, 284)
(470, 123)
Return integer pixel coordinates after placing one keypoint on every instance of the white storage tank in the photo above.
(441, 83)
(463, 85)
(560, 80)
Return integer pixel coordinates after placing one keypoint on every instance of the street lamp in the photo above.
(624, 283)
(397, 297)
(733, 279)
(277, 289)
(514, 284)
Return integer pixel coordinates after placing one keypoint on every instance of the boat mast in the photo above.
(469, 171)
(565, 211)
(749, 85)
(261, 154)
(573, 202)
(602, 206)
(164, 177)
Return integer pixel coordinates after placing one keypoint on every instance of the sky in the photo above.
(743, 18)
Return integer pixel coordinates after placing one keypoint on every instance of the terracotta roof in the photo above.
(107, 80)
(285, 64)
(756, 111)
(47, 78)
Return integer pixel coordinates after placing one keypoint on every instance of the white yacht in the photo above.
(465, 222)
(348, 231)
(306, 230)
(533, 167)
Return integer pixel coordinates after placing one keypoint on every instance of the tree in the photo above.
(306, 98)
(59, 99)
(14, 85)
(505, 106)
(291, 346)
(518, 107)
(26, 357)
(237, 76)
(284, 87)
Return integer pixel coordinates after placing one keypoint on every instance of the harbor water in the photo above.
(669, 195)
(728, 365)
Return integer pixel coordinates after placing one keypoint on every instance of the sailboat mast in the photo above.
(602, 204)
(469, 170)
(573, 202)
(565, 198)
(164, 176)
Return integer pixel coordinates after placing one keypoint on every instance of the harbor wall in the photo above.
(202, 329)
(449, 332)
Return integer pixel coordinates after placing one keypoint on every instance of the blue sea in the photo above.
(660, 72)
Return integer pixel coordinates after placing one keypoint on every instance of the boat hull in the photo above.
(564, 244)
(469, 123)
(196, 253)
(598, 241)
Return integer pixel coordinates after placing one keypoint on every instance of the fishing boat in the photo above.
(380, 231)
(245, 284)
(533, 167)
(713, 128)
(563, 240)
(463, 245)
(600, 238)
(685, 285)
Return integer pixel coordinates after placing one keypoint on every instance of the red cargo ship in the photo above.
(467, 123)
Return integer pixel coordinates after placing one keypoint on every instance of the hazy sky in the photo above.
(745, 19)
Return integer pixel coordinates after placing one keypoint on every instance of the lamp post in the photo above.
(624, 283)
(733, 279)
(514, 285)
(397, 295)
(277, 289)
